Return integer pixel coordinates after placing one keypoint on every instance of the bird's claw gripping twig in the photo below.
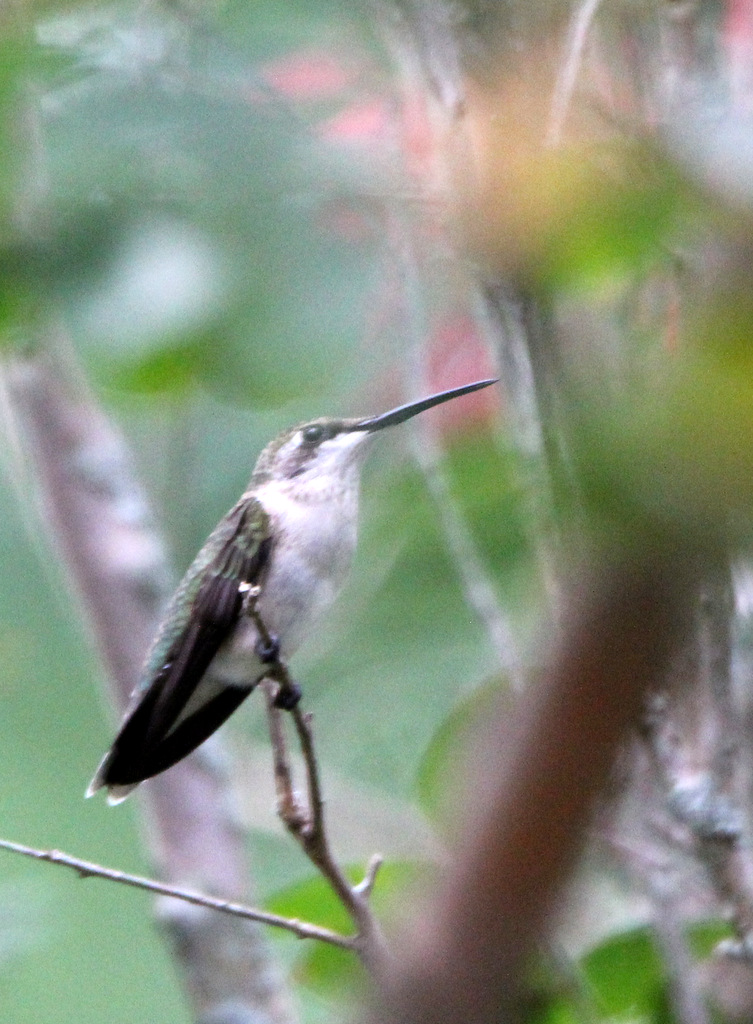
(288, 696)
(268, 649)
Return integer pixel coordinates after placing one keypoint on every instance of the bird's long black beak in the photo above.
(405, 412)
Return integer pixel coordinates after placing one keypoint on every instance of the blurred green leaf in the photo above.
(313, 900)
(677, 456)
(705, 936)
(70, 247)
(632, 201)
(626, 977)
(168, 371)
(552, 1010)
(622, 979)
(325, 968)
(548, 1001)
(328, 970)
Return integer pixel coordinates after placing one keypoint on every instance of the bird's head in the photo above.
(326, 448)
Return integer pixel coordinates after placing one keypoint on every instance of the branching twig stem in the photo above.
(288, 805)
(307, 825)
(88, 869)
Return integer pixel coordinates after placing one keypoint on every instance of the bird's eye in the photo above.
(313, 435)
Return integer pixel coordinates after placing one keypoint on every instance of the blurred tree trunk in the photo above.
(99, 522)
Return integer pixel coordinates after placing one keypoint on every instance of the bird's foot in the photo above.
(288, 696)
(268, 649)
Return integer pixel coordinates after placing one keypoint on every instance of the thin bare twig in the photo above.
(307, 825)
(477, 585)
(88, 869)
(314, 841)
(289, 806)
(580, 25)
(508, 318)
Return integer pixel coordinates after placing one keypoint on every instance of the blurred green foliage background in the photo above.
(202, 203)
(170, 197)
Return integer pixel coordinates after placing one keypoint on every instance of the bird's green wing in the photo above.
(159, 730)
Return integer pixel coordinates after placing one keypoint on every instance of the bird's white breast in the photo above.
(315, 536)
(314, 531)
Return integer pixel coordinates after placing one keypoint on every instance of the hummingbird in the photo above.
(290, 537)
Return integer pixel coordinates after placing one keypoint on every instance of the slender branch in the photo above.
(308, 825)
(289, 806)
(366, 885)
(314, 841)
(302, 723)
(476, 582)
(88, 869)
(477, 585)
(506, 318)
(568, 74)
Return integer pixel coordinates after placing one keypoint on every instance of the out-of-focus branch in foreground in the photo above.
(540, 773)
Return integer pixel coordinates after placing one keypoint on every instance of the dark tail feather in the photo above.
(138, 754)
